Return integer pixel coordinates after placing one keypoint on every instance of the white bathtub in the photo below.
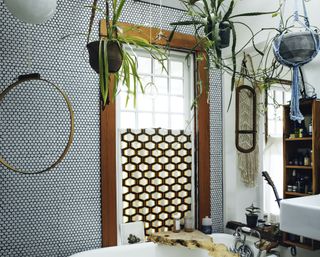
(154, 250)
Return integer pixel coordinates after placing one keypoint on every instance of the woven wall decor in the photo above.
(156, 176)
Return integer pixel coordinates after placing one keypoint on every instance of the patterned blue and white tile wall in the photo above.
(58, 213)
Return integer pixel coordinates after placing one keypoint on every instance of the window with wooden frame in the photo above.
(155, 142)
(108, 146)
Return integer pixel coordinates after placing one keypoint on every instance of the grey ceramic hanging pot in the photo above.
(298, 47)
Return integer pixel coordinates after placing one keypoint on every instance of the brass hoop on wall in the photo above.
(30, 77)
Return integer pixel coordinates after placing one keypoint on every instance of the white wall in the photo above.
(236, 195)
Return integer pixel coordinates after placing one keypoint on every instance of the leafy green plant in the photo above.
(252, 210)
(211, 19)
(127, 75)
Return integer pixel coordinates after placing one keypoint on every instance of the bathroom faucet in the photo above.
(243, 250)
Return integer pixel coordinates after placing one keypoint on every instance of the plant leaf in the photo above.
(186, 23)
(101, 70)
(106, 71)
(118, 12)
(230, 10)
(234, 61)
(252, 14)
(206, 7)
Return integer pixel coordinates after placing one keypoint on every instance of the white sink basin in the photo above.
(301, 216)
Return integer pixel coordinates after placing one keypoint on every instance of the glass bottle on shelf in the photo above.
(307, 183)
(298, 184)
(300, 160)
(310, 128)
(302, 184)
(306, 160)
(293, 181)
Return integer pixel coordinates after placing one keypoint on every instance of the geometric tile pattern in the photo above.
(58, 213)
(156, 176)
(216, 149)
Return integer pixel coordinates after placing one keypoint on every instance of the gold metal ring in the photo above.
(71, 134)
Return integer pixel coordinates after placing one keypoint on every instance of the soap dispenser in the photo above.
(206, 225)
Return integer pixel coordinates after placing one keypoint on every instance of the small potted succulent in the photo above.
(252, 215)
(108, 55)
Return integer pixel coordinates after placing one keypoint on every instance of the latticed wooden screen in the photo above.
(156, 176)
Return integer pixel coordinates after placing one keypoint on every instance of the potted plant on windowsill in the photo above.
(108, 55)
(252, 215)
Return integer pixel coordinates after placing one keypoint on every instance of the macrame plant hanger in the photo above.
(295, 113)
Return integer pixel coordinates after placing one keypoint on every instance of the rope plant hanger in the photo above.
(294, 49)
(22, 82)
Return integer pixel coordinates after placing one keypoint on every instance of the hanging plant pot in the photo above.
(224, 34)
(297, 47)
(114, 56)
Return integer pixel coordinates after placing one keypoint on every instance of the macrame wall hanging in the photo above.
(247, 126)
(296, 45)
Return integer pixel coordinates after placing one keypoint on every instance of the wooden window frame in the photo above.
(108, 140)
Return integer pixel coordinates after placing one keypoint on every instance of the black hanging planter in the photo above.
(114, 56)
(298, 47)
(252, 220)
(224, 34)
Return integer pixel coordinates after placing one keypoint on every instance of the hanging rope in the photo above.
(290, 60)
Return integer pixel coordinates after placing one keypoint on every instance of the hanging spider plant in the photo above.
(109, 55)
(213, 22)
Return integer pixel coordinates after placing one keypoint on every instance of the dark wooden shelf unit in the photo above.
(299, 139)
(311, 110)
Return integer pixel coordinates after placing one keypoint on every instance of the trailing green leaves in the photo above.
(128, 75)
(209, 19)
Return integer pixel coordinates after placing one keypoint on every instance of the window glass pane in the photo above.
(146, 83)
(271, 127)
(176, 69)
(144, 65)
(160, 68)
(127, 120)
(161, 104)
(145, 120)
(177, 104)
(279, 97)
(144, 103)
(271, 112)
(287, 97)
(161, 120)
(279, 113)
(176, 86)
(161, 85)
(177, 121)
(123, 102)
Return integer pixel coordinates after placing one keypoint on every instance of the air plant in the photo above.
(213, 22)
